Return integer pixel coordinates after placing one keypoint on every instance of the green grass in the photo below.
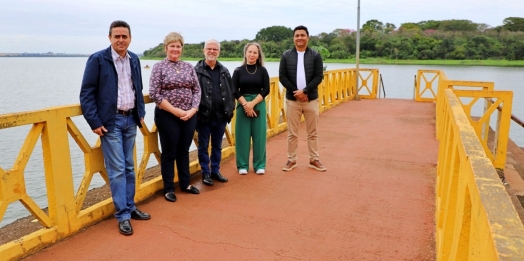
(500, 63)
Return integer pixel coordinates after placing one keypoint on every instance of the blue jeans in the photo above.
(117, 146)
(215, 130)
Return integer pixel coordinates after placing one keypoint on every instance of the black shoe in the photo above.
(170, 196)
(139, 215)
(217, 176)
(125, 227)
(207, 181)
(191, 190)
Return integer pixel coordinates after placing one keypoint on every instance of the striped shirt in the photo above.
(126, 93)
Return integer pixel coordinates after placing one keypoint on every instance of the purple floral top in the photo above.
(176, 82)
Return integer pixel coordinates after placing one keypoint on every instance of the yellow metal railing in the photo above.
(368, 88)
(469, 93)
(54, 126)
(493, 100)
(426, 86)
(476, 219)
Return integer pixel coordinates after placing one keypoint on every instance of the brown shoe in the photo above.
(317, 165)
(289, 166)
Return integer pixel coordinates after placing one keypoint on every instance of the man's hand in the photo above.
(300, 95)
(100, 131)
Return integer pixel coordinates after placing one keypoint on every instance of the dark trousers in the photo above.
(176, 137)
(216, 131)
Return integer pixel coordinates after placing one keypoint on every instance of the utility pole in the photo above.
(357, 73)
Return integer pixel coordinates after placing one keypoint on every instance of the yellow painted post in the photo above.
(375, 74)
(59, 175)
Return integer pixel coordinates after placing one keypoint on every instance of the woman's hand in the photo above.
(188, 114)
(248, 105)
(248, 109)
(166, 106)
(179, 113)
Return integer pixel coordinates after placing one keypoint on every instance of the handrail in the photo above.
(517, 120)
(54, 126)
(468, 89)
(415, 88)
(496, 153)
(475, 217)
(513, 117)
(471, 200)
(381, 86)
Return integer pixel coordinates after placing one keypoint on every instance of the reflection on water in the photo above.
(36, 83)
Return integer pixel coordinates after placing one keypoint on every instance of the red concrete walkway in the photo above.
(375, 202)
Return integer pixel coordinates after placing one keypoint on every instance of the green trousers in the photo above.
(247, 129)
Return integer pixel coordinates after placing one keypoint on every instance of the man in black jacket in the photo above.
(300, 72)
(215, 111)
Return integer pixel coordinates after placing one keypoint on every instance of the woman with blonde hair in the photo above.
(174, 88)
(251, 85)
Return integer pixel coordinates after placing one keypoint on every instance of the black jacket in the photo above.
(313, 66)
(206, 85)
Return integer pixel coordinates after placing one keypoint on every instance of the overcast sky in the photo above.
(81, 26)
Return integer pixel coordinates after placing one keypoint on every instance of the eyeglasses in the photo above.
(213, 49)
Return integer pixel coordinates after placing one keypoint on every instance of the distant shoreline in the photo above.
(9, 55)
(496, 63)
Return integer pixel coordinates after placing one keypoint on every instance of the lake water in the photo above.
(37, 83)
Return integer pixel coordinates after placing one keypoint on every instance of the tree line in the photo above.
(426, 40)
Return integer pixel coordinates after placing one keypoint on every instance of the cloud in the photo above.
(82, 26)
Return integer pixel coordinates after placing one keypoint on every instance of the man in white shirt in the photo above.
(300, 72)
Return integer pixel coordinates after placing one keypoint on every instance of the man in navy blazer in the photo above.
(113, 105)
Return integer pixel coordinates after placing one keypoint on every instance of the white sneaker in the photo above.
(260, 171)
(242, 171)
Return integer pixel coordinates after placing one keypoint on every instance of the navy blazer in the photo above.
(99, 92)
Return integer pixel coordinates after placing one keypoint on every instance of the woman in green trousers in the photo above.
(251, 84)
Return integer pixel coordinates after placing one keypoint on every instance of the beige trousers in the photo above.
(294, 112)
